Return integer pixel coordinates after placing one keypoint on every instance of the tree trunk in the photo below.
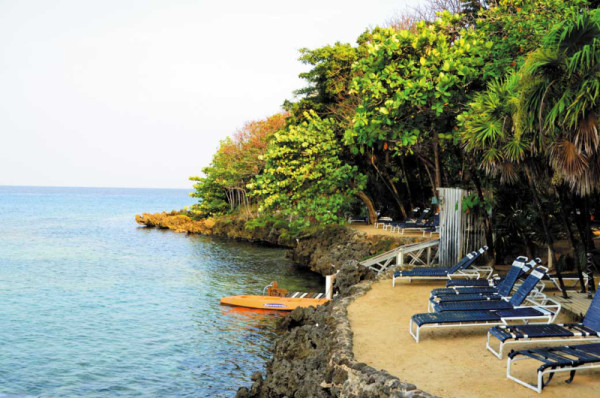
(565, 219)
(582, 221)
(549, 238)
(370, 208)
(406, 183)
(426, 165)
(389, 184)
(486, 218)
(436, 160)
(396, 196)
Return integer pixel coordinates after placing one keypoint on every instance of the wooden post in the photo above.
(329, 286)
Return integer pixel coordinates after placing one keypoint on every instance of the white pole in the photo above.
(329, 286)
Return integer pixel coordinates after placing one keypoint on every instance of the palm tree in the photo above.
(560, 104)
(493, 131)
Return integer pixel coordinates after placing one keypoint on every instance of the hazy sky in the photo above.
(138, 93)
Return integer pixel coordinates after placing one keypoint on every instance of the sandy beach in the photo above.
(451, 362)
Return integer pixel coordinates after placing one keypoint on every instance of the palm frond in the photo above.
(567, 158)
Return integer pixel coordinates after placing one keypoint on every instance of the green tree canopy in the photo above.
(304, 178)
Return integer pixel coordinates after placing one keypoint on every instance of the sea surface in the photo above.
(93, 305)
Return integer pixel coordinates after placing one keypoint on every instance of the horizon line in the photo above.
(81, 186)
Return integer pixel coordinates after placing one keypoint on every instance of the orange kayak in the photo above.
(271, 302)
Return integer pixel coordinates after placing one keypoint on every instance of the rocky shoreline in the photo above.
(323, 252)
(313, 354)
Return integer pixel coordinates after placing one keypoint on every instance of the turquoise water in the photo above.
(93, 305)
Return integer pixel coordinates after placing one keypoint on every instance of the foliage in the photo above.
(234, 165)
(488, 129)
(510, 87)
(560, 101)
(413, 83)
(328, 82)
(472, 203)
(304, 178)
(516, 27)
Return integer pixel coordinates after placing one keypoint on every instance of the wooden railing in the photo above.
(423, 253)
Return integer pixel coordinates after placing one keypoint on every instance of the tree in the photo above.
(516, 27)
(412, 85)
(328, 82)
(304, 178)
(235, 164)
(560, 105)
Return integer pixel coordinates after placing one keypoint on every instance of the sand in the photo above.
(447, 362)
(370, 230)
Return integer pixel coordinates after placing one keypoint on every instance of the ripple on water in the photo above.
(94, 306)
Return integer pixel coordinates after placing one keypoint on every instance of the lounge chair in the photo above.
(493, 281)
(427, 228)
(543, 310)
(470, 319)
(588, 330)
(569, 279)
(556, 359)
(419, 222)
(519, 267)
(388, 222)
(383, 221)
(439, 273)
(438, 296)
(505, 303)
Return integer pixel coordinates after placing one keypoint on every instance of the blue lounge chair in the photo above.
(505, 303)
(414, 217)
(473, 282)
(470, 319)
(556, 359)
(542, 310)
(421, 222)
(426, 228)
(492, 282)
(588, 330)
(502, 293)
(519, 267)
(437, 273)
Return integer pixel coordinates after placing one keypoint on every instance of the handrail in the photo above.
(382, 261)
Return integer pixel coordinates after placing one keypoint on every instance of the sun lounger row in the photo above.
(538, 308)
(491, 305)
(439, 273)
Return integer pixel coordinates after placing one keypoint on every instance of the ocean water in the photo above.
(93, 305)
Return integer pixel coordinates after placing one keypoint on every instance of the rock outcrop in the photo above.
(313, 356)
(177, 222)
(323, 252)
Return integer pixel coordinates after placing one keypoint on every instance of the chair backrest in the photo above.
(467, 260)
(464, 262)
(423, 215)
(516, 269)
(528, 285)
(592, 317)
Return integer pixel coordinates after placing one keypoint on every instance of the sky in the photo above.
(139, 93)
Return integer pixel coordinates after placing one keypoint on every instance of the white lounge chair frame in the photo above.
(472, 272)
(548, 317)
(536, 298)
(584, 337)
(540, 375)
